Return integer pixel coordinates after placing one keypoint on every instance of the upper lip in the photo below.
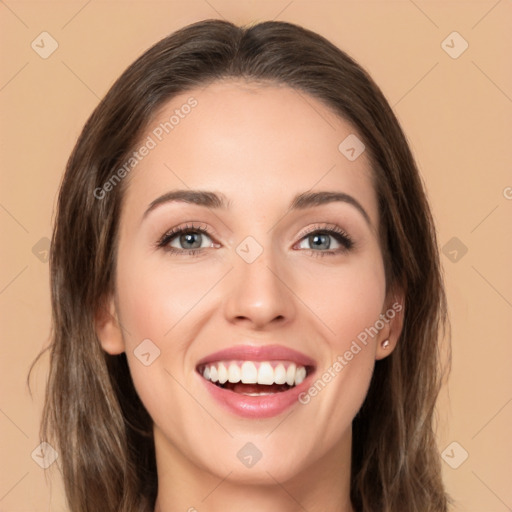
(258, 353)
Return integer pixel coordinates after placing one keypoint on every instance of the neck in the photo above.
(322, 486)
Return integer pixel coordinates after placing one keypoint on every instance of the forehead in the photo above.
(258, 144)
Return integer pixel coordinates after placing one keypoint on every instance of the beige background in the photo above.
(455, 111)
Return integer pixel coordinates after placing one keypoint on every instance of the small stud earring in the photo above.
(385, 344)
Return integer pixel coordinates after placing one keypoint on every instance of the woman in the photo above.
(246, 291)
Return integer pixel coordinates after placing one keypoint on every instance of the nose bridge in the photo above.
(257, 290)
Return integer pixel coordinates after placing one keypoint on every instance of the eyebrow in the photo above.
(219, 201)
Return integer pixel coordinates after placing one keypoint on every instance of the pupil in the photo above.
(317, 237)
(188, 238)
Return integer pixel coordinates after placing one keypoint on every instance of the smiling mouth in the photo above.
(255, 378)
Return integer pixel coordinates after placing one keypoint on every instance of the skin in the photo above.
(259, 145)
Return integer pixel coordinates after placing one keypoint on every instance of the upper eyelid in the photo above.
(204, 229)
(179, 229)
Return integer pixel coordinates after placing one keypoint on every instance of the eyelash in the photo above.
(337, 233)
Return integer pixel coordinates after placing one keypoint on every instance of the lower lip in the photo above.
(265, 406)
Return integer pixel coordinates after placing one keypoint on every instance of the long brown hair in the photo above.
(92, 413)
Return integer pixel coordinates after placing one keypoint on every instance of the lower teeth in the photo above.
(275, 389)
(257, 394)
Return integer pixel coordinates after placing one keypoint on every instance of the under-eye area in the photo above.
(255, 378)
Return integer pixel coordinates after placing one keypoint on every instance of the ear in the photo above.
(108, 328)
(392, 317)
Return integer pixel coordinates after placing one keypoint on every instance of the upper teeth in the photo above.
(249, 372)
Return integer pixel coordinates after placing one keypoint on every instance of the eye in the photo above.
(320, 240)
(187, 239)
(190, 240)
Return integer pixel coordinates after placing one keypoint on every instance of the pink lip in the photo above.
(258, 406)
(258, 353)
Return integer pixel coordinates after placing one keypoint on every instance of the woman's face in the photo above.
(279, 291)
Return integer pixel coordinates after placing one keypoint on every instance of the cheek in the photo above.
(156, 297)
(349, 304)
(346, 299)
(153, 306)
(162, 303)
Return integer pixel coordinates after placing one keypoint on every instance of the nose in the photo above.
(260, 293)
